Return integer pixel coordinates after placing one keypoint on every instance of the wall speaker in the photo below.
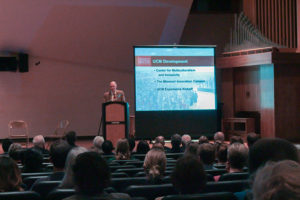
(23, 62)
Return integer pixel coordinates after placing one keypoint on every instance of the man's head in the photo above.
(98, 141)
(58, 153)
(188, 175)
(176, 141)
(236, 139)
(160, 139)
(219, 137)
(203, 139)
(237, 156)
(107, 147)
(91, 173)
(186, 138)
(113, 86)
(206, 152)
(71, 138)
(271, 149)
(252, 138)
(38, 141)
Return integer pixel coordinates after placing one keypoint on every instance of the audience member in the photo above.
(175, 142)
(221, 154)
(185, 139)
(91, 176)
(236, 139)
(5, 145)
(160, 139)
(219, 137)
(15, 150)
(67, 181)
(203, 139)
(97, 144)
(122, 150)
(189, 176)
(142, 147)
(252, 138)
(71, 138)
(155, 165)
(206, 152)
(107, 148)
(191, 149)
(39, 144)
(277, 181)
(237, 157)
(264, 150)
(10, 176)
(32, 161)
(158, 146)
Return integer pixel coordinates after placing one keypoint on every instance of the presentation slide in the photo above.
(174, 79)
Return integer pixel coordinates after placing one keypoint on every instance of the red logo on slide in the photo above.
(143, 61)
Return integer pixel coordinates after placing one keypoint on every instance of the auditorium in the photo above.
(150, 99)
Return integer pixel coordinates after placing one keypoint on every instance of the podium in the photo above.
(115, 117)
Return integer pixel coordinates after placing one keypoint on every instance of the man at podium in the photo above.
(113, 94)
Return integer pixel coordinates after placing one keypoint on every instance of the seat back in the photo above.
(150, 191)
(22, 195)
(204, 196)
(234, 176)
(29, 181)
(226, 186)
(45, 187)
(120, 184)
(130, 171)
(59, 194)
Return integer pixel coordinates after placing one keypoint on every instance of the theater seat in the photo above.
(120, 184)
(150, 191)
(234, 176)
(205, 196)
(45, 187)
(24, 195)
(59, 194)
(226, 186)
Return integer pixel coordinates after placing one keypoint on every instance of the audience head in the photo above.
(160, 139)
(155, 164)
(5, 144)
(15, 151)
(142, 147)
(98, 141)
(252, 138)
(188, 175)
(91, 174)
(186, 138)
(237, 157)
(33, 161)
(175, 141)
(236, 139)
(219, 137)
(39, 141)
(206, 152)
(107, 147)
(271, 149)
(221, 153)
(67, 181)
(10, 175)
(131, 142)
(71, 138)
(158, 146)
(58, 153)
(192, 149)
(122, 150)
(203, 139)
(276, 181)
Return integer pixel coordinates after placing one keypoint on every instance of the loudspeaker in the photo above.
(23, 62)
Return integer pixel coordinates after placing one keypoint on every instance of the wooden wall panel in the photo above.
(227, 92)
(266, 84)
(287, 104)
(246, 89)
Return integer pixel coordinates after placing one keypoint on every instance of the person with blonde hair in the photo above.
(155, 165)
(122, 150)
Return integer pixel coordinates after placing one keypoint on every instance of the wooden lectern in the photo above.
(115, 117)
